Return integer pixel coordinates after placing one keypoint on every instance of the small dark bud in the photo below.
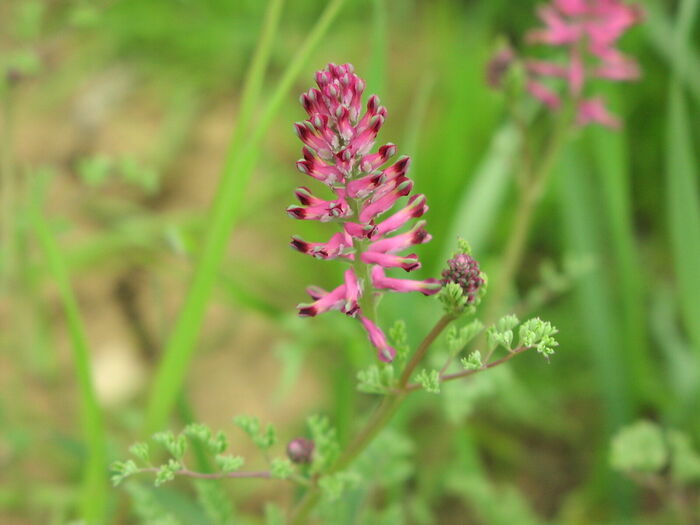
(463, 269)
(300, 450)
(13, 77)
(498, 66)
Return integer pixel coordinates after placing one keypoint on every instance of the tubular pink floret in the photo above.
(594, 110)
(382, 282)
(337, 138)
(416, 208)
(416, 235)
(334, 300)
(378, 339)
(387, 260)
(340, 244)
(352, 293)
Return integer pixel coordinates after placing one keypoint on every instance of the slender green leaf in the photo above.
(224, 213)
(94, 491)
(609, 152)
(683, 208)
(376, 79)
(482, 200)
(672, 42)
(599, 321)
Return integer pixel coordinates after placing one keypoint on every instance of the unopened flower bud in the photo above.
(498, 67)
(463, 269)
(300, 450)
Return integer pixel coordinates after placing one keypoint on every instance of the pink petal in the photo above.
(378, 339)
(382, 282)
(385, 260)
(373, 161)
(544, 94)
(416, 235)
(352, 293)
(594, 110)
(337, 246)
(382, 203)
(334, 300)
(417, 207)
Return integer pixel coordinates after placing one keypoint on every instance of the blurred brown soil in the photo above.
(128, 307)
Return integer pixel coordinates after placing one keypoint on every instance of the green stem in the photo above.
(94, 490)
(224, 213)
(423, 349)
(380, 419)
(466, 373)
(531, 192)
(7, 185)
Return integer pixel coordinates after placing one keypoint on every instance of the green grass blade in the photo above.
(376, 78)
(683, 208)
(601, 336)
(94, 490)
(255, 76)
(673, 44)
(482, 200)
(611, 162)
(226, 208)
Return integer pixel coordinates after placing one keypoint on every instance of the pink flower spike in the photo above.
(416, 235)
(382, 282)
(408, 263)
(337, 142)
(594, 110)
(334, 300)
(417, 207)
(378, 339)
(588, 30)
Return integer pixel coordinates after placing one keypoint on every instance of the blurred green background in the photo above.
(116, 118)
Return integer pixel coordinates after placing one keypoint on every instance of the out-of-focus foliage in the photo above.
(114, 123)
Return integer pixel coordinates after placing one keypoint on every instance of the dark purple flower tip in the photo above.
(300, 450)
(303, 195)
(300, 245)
(463, 269)
(420, 236)
(296, 212)
(412, 263)
(305, 310)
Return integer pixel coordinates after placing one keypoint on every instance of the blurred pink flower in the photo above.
(337, 141)
(588, 30)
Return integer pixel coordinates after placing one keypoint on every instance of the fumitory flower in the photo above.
(587, 30)
(463, 269)
(338, 139)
